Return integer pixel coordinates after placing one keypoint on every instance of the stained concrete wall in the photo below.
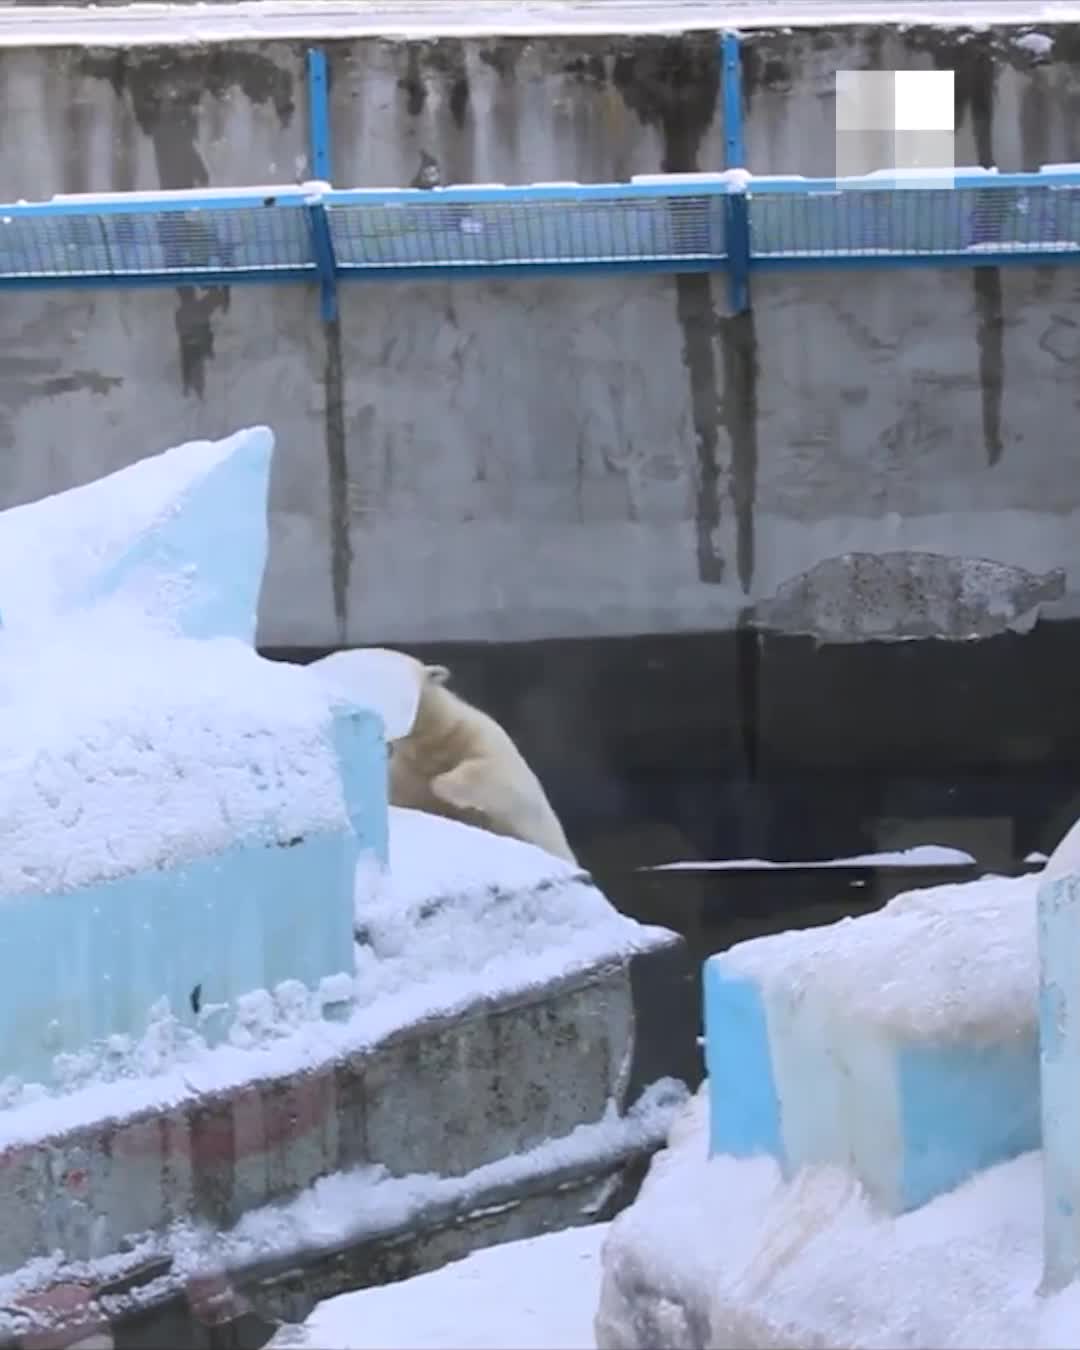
(516, 459)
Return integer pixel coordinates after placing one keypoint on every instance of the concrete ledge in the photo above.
(903, 1045)
(242, 1308)
(93, 964)
(445, 1096)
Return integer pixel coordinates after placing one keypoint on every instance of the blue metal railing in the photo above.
(662, 224)
(972, 216)
(732, 222)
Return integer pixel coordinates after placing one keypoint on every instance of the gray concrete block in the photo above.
(499, 1081)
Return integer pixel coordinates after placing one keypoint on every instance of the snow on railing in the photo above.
(674, 223)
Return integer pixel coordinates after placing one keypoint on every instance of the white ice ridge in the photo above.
(812, 1262)
(179, 538)
(915, 964)
(173, 752)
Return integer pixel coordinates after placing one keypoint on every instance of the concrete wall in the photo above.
(553, 458)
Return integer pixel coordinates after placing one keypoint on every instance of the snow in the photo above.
(176, 752)
(536, 1292)
(146, 24)
(376, 678)
(1065, 859)
(179, 537)
(722, 1252)
(911, 965)
(922, 855)
(463, 910)
(182, 196)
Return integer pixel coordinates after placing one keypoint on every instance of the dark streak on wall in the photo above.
(975, 72)
(166, 86)
(673, 84)
(341, 555)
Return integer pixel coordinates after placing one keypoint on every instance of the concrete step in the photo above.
(446, 1097)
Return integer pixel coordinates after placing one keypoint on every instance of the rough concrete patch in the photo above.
(767, 64)
(337, 466)
(158, 79)
(673, 84)
(449, 1073)
(440, 59)
(503, 55)
(860, 597)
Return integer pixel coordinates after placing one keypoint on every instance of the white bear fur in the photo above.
(459, 763)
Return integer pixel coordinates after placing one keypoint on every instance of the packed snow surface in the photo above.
(261, 19)
(176, 751)
(922, 855)
(947, 961)
(463, 909)
(56, 553)
(812, 1263)
(539, 1293)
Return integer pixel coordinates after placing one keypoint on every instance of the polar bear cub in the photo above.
(458, 762)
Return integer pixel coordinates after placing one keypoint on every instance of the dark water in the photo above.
(657, 749)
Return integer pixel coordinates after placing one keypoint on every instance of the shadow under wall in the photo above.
(734, 745)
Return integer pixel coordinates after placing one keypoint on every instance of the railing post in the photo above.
(737, 208)
(322, 243)
(318, 114)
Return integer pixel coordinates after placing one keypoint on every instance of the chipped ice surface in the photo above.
(462, 908)
(176, 751)
(958, 960)
(812, 1262)
(179, 539)
(1065, 859)
(464, 915)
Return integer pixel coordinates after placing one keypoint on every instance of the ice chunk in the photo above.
(180, 536)
(179, 750)
(184, 823)
(903, 1044)
(376, 678)
(463, 910)
(1065, 859)
(813, 1263)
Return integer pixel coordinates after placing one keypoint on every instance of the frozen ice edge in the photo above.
(198, 1070)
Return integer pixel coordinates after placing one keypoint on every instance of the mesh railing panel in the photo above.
(225, 239)
(908, 222)
(528, 233)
